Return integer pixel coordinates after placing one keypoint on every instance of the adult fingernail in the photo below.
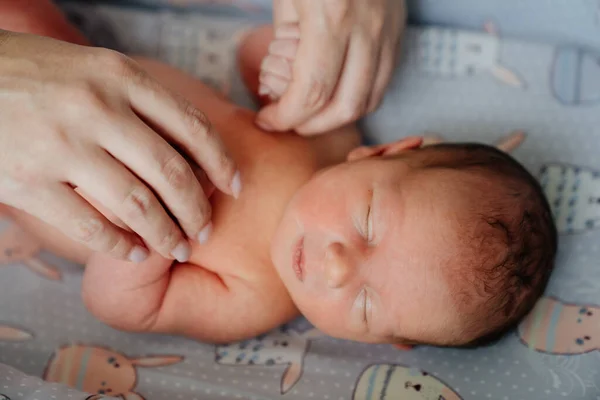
(264, 125)
(205, 233)
(236, 185)
(138, 254)
(182, 252)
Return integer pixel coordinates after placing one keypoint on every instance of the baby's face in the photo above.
(364, 249)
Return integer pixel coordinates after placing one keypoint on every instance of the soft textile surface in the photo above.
(475, 85)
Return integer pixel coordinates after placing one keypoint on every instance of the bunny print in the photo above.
(99, 370)
(399, 382)
(450, 52)
(13, 334)
(574, 196)
(281, 346)
(556, 327)
(17, 246)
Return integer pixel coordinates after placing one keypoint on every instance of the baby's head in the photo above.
(444, 245)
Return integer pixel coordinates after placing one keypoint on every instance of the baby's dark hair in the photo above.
(515, 243)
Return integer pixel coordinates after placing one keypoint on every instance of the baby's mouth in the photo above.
(298, 259)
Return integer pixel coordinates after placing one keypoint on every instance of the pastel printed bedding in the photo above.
(534, 66)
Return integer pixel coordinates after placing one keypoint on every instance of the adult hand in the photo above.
(345, 58)
(80, 123)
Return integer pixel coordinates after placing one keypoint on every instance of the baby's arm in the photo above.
(198, 301)
(165, 297)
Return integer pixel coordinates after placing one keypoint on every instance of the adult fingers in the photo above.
(325, 32)
(118, 190)
(186, 126)
(387, 59)
(169, 175)
(207, 186)
(350, 100)
(383, 76)
(58, 205)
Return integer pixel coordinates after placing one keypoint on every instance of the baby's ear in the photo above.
(408, 143)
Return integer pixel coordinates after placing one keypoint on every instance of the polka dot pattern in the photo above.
(478, 108)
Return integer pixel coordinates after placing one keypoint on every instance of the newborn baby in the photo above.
(398, 243)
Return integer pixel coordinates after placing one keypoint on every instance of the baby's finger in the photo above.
(277, 67)
(60, 206)
(272, 85)
(287, 31)
(316, 70)
(284, 47)
(121, 192)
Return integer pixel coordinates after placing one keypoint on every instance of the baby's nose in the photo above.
(338, 266)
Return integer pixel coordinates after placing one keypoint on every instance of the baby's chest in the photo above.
(239, 245)
(243, 228)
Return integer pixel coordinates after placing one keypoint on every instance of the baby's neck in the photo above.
(333, 147)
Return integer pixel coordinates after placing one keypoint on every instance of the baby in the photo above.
(444, 244)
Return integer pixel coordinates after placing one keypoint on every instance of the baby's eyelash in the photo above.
(366, 306)
(369, 221)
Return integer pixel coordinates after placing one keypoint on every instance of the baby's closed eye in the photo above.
(363, 307)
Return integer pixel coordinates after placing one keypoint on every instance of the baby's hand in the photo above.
(276, 68)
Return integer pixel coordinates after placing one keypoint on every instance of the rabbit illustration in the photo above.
(575, 76)
(574, 196)
(281, 346)
(99, 370)
(399, 382)
(448, 52)
(556, 327)
(20, 247)
(11, 333)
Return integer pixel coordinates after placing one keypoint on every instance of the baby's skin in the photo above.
(346, 235)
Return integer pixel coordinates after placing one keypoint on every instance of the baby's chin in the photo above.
(339, 333)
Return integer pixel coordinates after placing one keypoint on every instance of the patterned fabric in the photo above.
(466, 85)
